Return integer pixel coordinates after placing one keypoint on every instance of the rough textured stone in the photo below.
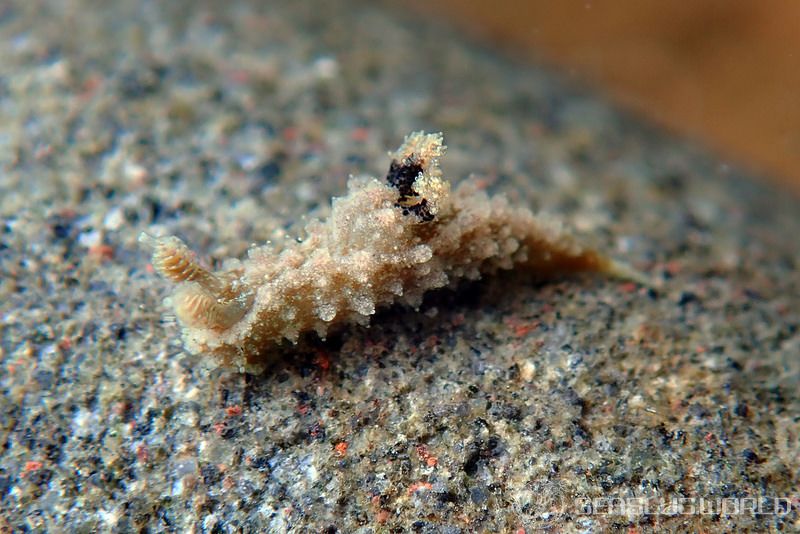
(506, 405)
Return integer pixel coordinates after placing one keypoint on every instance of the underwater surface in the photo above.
(581, 403)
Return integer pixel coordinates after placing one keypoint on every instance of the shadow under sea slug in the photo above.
(385, 242)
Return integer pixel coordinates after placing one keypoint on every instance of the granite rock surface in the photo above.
(507, 406)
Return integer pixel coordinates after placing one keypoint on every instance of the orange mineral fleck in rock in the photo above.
(341, 448)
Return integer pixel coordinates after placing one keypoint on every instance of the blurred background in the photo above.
(725, 73)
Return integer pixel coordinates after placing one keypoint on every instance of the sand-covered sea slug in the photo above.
(385, 242)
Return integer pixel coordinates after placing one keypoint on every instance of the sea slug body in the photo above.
(385, 242)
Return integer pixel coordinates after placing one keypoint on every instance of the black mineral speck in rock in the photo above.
(749, 456)
(269, 171)
(478, 495)
(141, 81)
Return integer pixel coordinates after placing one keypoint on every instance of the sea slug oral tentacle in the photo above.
(197, 308)
(202, 298)
(173, 260)
(384, 243)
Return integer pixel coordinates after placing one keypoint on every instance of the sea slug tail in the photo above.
(622, 270)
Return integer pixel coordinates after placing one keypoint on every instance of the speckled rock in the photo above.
(508, 406)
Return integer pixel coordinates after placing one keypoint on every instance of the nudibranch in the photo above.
(385, 242)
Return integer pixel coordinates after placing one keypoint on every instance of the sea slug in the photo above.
(385, 242)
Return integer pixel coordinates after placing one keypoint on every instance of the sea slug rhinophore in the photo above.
(385, 242)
